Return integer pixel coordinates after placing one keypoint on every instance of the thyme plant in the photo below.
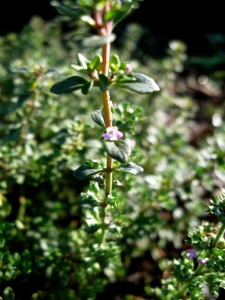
(203, 262)
(58, 243)
(104, 71)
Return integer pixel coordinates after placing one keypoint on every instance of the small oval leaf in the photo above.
(68, 85)
(98, 118)
(139, 83)
(119, 13)
(115, 63)
(131, 168)
(73, 12)
(119, 150)
(85, 171)
(87, 19)
(103, 82)
(95, 63)
(96, 41)
(82, 60)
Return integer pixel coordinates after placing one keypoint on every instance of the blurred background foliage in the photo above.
(47, 250)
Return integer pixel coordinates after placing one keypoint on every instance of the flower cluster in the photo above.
(192, 254)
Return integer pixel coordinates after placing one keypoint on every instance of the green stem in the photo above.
(219, 234)
(200, 267)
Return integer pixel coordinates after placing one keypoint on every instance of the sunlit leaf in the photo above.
(82, 60)
(65, 10)
(87, 19)
(137, 82)
(96, 41)
(119, 13)
(95, 63)
(131, 168)
(114, 62)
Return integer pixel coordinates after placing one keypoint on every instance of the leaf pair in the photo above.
(86, 170)
(136, 82)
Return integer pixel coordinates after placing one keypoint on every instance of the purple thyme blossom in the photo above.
(203, 261)
(191, 253)
(112, 134)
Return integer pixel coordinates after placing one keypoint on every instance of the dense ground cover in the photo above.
(48, 249)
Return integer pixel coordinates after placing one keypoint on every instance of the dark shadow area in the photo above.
(183, 21)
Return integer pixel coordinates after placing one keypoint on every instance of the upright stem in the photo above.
(105, 30)
(109, 161)
(106, 105)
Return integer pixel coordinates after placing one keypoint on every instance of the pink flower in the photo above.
(112, 133)
(128, 68)
(203, 261)
(191, 253)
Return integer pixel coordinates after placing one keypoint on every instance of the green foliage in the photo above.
(119, 150)
(54, 243)
(98, 118)
(137, 82)
(103, 82)
(68, 85)
(121, 9)
(83, 8)
(96, 41)
(87, 169)
(218, 207)
(131, 168)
